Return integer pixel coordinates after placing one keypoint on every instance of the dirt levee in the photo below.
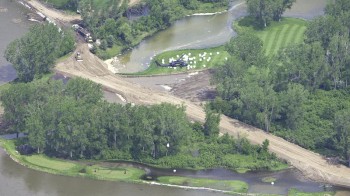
(52, 13)
(311, 164)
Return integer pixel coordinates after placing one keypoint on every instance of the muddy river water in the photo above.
(202, 32)
(191, 32)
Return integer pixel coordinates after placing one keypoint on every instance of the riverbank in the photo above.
(119, 173)
(213, 25)
(278, 35)
(296, 155)
(209, 8)
(197, 60)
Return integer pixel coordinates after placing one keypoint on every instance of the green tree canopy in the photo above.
(34, 54)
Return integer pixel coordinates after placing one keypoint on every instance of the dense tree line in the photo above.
(302, 93)
(72, 121)
(35, 53)
(266, 11)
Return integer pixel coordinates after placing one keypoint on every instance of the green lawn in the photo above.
(277, 35)
(49, 163)
(69, 168)
(295, 192)
(198, 59)
(227, 185)
(116, 173)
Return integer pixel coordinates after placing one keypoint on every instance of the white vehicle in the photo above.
(78, 57)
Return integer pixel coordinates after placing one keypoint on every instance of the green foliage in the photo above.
(229, 185)
(247, 47)
(267, 10)
(110, 41)
(296, 192)
(64, 4)
(301, 93)
(196, 61)
(64, 167)
(71, 121)
(103, 45)
(277, 35)
(34, 54)
(342, 125)
(108, 18)
(212, 121)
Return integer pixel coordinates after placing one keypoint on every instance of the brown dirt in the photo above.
(133, 2)
(311, 164)
(52, 13)
(196, 88)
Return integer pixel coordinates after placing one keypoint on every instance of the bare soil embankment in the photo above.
(52, 13)
(311, 164)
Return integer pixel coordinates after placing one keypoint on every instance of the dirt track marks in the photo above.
(311, 164)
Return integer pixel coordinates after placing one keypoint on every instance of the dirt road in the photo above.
(194, 86)
(52, 13)
(59, 15)
(311, 164)
(133, 2)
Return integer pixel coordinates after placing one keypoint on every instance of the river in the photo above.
(13, 24)
(202, 32)
(193, 32)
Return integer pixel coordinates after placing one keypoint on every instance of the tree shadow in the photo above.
(250, 22)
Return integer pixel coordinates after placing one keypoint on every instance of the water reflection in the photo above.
(20, 181)
(202, 32)
(13, 24)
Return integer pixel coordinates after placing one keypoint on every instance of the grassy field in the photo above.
(70, 168)
(244, 163)
(295, 192)
(227, 185)
(199, 59)
(125, 174)
(96, 171)
(276, 36)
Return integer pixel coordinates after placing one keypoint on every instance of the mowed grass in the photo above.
(295, 192)
(199, 59)
(227, 185)
(70, 168)
(115, 173)
(49, 163)
(277, 35)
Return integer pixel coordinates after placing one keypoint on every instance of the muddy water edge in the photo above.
(18, 180)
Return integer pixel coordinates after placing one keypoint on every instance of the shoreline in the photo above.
(299, 162)
(109, 61)
(134, 181)
(139, 181)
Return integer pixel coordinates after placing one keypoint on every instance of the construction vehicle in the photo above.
(78, 57)
(175, 63)
(83, 32)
